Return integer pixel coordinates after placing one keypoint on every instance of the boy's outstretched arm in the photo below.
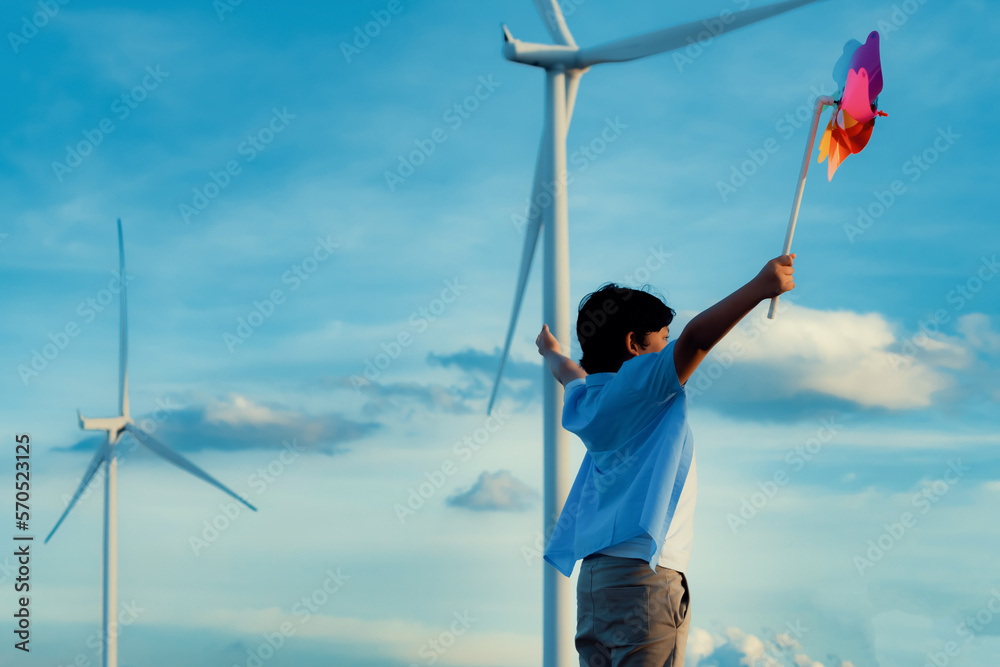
(563, 368)
(708, 327)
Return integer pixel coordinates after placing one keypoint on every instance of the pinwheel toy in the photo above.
(851, 125)
(858, 74)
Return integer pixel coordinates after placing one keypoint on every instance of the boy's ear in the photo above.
(631, 345)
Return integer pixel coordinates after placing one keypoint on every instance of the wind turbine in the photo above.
(116, 427)
(564, 63)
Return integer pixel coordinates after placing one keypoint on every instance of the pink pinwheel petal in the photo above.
(855, 100)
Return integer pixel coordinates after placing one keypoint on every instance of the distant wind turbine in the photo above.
(564, 63)
(116, 427)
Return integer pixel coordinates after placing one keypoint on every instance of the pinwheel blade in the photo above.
(181, 462)
(555, 21)
(680, 36)
(531, 233)
(99, 456)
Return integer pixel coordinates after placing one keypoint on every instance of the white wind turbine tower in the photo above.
(116, 427)
(564, 63)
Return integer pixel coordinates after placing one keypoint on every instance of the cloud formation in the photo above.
(521, 380)
(401, 399)
(237, 423)
(808, 361)
(736, 648)
(499, 491)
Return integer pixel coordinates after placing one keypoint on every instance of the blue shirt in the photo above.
(639, 449)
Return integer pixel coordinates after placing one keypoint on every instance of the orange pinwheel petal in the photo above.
(824, 144)
(839, 142)
(838, 153)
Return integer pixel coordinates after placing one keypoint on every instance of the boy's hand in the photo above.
(776, 277)
(546, 342)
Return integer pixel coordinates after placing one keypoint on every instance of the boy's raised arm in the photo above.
(708, 327)
(563, 368)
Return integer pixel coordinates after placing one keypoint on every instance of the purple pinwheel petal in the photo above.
(867, 56)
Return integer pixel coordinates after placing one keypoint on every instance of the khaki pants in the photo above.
(630, 616)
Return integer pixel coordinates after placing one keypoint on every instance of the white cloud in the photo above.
(978, 331)
(803, 660)
(241, 410)
(700, 643)
(843, 354)
(496, 491)
(751, 647)
(736, 648)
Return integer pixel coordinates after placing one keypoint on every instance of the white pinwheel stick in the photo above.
(822, 101)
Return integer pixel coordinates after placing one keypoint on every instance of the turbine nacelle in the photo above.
(549, 56)
(113, 425)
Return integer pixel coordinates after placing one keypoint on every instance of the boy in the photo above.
(629, 513)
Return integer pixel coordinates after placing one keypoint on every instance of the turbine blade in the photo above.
(95, 463)
(181, 462)
(555, 21)
(531, 233)
(123, 342)
(679, 36)
(572, 85)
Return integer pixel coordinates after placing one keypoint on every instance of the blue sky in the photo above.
(877, 384)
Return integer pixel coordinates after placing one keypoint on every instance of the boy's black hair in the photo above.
(608, 315)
